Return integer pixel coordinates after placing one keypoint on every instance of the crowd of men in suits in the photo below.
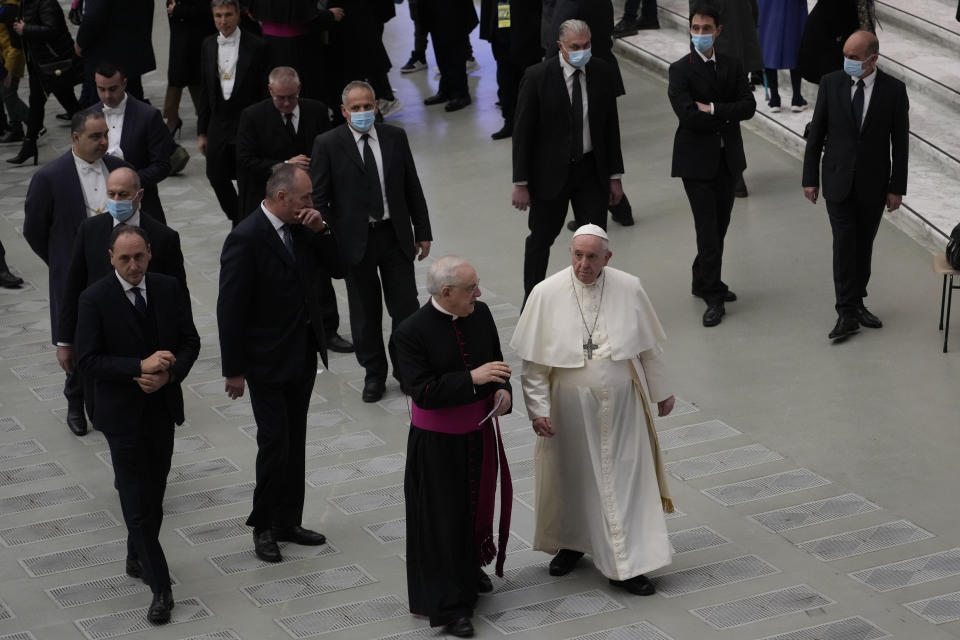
(315, 201)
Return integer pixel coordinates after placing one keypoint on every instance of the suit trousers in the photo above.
(328, 304)
(854, 222)
(545, 220)
(141, 461)
(221, 172)
(367, 292)
(711, 201)
(509, 74)
(280, 410)
(450, 50)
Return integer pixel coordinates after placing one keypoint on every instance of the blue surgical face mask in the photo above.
(853, 68)
(579, 59)
(121, 210)
(702, 41)
(362, 120)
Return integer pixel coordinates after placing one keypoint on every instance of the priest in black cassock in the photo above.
(451, 366)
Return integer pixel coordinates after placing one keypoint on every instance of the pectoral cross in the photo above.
(589, 347)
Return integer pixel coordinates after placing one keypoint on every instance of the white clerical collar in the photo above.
(133, 221)
(438, 307)
(568, 69)
(583, 285)
(127, 286)
(712, 58)
(274, 220)
(86, 167)
(233, 38)
(117, 110)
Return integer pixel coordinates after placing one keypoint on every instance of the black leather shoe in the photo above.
(564, 562)
(622, 213)
(299, 535)
(160, 607)
(437, 98)
(337, 343)
(63, 116)
(373, 390)
(648, 23)
(740, 191)
(14, 134)
(504, 133)
(265, 546)
(637, 585)
(75, 418)
(729, 296)
(8, 280)
(867, 319)
(133, 568)
(845, 327)
(483, 583)
(461, 627)
(458, 103)
(573, 225)
(713, 315)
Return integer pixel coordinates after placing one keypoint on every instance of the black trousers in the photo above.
(509, 74)
(38, 100)
(368, 290)
(450, 50)
(328, 304)
(222, 171)
(711, 201)
(545, 220)
(854, 222)
(141, 461)
(280, 410)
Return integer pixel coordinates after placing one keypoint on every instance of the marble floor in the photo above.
(814, 482)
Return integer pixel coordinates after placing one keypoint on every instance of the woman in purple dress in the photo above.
(779, 29)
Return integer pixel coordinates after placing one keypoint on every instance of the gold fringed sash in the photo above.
(654, 443)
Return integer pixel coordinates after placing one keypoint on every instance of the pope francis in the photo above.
(590, 343)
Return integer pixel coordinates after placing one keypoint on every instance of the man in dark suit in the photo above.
(137, 342)
(282, 129)
(861, 117)
(366, 184)
(233, 76)
(117, 30)
(566, 145)
(449, 22)
(61, 195)
(710, 95)
(271, 329)
(137, 134)
(91, 259)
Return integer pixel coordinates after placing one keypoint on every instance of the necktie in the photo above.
(576, 115)
(857, 105)
(287, 238)
(373, 179)
(288, 124)
(138, 302)
(712, 65)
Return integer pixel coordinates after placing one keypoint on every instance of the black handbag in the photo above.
(62, 72)
(953, 248)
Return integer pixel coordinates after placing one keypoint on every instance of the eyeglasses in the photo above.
(471, 288)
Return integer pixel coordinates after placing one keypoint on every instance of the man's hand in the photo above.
(77, 49)
(202, 144)
(616, 192)
(170, 7)
(233, 386)
(495, 371)
(311, 219)
(521, 197)
(301, 161)
(893, 201)
(151, 382)
(542, 427)
(423, 249)
(811, 194)
(503, 397)
(337, 14)
(664, 407)
(66, 358)
(703, 107)
(159, 361)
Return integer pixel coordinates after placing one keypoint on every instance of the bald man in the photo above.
(863, 112)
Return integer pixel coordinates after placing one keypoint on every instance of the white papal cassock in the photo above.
(597, 485)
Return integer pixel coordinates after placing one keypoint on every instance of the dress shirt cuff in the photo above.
(64, 344)
(617, 176)
(711, 109)
(522, 183)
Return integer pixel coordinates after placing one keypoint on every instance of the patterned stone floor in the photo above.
(815, 483)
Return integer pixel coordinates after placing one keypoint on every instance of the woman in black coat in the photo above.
(43, 32)
(829, 25)
(190, 22)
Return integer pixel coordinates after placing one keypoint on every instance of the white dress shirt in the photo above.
(712, 59)
(228, 50)
(375, 147)
(93, 182)
(868, 83)
(274, 220)
(128, 288)
(295, 120)
(114, 117)
(133, 220)
(568, 71)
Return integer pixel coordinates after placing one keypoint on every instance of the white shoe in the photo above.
(389, 107)
(775, 109)
(472, 65)
(797, 108)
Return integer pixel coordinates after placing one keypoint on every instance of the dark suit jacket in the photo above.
(867, 152)
(118, 31)
(267, 299)
(336, 169)
(53, 210)
(697, 147)
(218, 118)
(452, 16)
(524, 27)
(91, 262)
(263, 141)
(147, 145)
(542, 129)
(111, 344)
